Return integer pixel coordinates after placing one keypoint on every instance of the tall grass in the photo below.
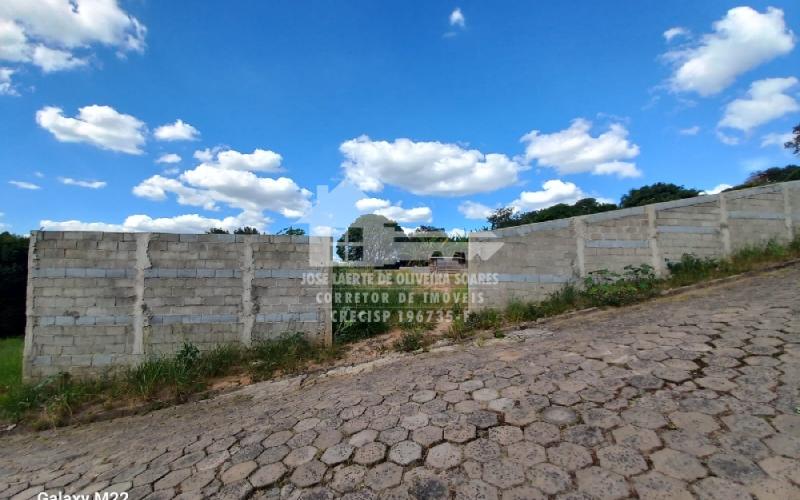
(10, 362)
(691, 269)
(158, 379)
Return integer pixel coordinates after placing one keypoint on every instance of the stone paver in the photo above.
(678, 464)
(691, 396)
(405, 452)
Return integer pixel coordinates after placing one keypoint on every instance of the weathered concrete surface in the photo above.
(98, 301)
(687, 396)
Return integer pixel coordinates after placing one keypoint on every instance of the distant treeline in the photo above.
(645, 195)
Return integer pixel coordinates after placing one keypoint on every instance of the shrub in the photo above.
(606, 288)
(220, 360)
(691, 269)
(484, 320)
(410, 341)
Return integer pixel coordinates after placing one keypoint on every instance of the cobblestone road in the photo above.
(692, 396)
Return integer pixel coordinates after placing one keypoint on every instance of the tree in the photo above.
(502, 217)
(375, 235)
(794, 144)
(655, 193)
(430, 229)
(506, 217)
(217, 230)
(13, 284)
(292, 231)
(245, 230)
(770, 175)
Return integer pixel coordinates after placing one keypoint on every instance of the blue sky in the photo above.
(437, 111)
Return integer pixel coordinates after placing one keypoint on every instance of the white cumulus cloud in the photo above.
(101, 126)
(178, 131)
(727, 139)
(6, 85)
(574, 150)
(13, 42)
(457, 18)
(776, 139)
(426, 168)
(25, 185)
(690, 130)
(717, 189)
(743, 39)
(766, 100)
(677, 31)
(51, 60)
(228, 177)
(169, 158)
(260, 160)
(205, 155)
(474, 210)
(394, 212)
(189, 223)
(552, 193)
(85, 184)
(369, 204)
(57, 35)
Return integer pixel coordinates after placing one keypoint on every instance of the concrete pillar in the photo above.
(142, 263)
(27, 350)
(787, 212)
(652, 235)
(580, 243)
(247, 316)
(724, 229)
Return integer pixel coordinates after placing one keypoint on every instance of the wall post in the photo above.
(724, 228)
(247, 317)
(580, 243)
(787, 212)
(142, 263)
(652, 235)
(27, 350)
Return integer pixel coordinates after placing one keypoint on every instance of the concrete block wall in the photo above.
(101, 300)
(530, 262)
(534, 259)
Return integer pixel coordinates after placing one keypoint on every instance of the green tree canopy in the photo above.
(292, 231)
(794, 144)
(430, 229)
(656, 193)
(13, 283)
(238, 230)
(506, 217)
(770, 175)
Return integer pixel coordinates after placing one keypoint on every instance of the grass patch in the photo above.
(10, 362)
(55, 400)
(410, 341)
